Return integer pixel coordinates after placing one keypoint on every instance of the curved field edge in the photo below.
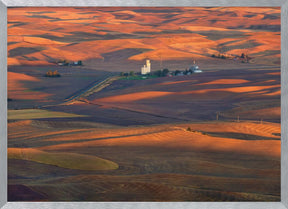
(61, 159)
(26, 114)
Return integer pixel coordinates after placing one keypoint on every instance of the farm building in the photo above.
(195, 68)
(146, 68)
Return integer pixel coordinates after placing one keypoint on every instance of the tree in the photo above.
(52, 74)
(55, 73)
(165, 72)
(177, 72)
(49, 73)
(158, 73)
(131, 73)
(80, 62)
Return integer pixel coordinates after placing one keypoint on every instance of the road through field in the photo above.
(90, 89)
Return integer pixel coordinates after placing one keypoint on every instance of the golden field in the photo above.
(137, 142)
(154, 33)
(92, 135)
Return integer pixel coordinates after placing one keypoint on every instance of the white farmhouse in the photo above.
(146, 68)
(195, 68)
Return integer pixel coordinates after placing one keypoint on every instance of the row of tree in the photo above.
(126, 74)
(243, 57)
(160, 73)
(50, 73)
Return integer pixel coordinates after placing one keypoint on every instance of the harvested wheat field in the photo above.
(164, 157)
(91, 119)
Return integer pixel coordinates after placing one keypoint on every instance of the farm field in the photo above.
(37, 114)
(104, 38)
(197, 97)
(165, 157)
(159, 140)
(29, 88)
(101, 131)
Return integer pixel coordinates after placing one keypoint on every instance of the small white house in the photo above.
(195, 68)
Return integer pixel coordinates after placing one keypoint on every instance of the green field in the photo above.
(61, 159)
(138, 77)
(27, 114)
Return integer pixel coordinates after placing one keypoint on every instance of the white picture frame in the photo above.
(4, 4)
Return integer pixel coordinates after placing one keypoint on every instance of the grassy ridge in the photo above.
(61, 159)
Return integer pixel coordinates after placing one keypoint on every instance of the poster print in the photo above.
(144, 104)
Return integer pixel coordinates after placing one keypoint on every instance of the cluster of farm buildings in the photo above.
(146, 69)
